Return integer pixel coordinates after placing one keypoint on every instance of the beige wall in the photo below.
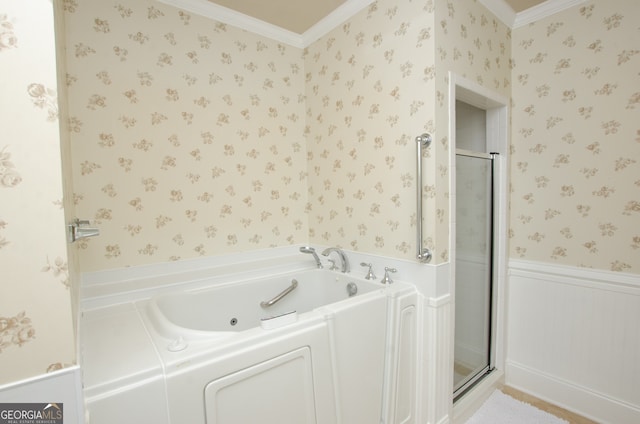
(474, 44)
(187, 135)
(576, 138)
(368, 97)
(374, 84)
(190, 137)
(36, 331)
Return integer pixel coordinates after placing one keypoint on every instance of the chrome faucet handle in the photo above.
(333, 266)
(386, 279)
(370, 275)
(341, 254)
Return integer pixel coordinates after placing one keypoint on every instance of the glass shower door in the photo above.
(474, 247)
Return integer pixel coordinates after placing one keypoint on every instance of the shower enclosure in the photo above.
(479, 235)
(474, 270)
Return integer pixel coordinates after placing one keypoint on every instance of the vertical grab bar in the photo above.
(422, 253)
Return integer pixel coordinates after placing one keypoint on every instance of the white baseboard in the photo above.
(571, 397)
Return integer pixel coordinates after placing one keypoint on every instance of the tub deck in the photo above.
(156, 358)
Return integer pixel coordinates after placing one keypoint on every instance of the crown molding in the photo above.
(327, 24)
(502, 10)
(543, 10)
(239, 20)
(505, 13)
(349, 8)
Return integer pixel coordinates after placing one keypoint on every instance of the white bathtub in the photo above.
(203, 354)
(236, 307)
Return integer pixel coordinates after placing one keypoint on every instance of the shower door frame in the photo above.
(491, 318)
(497, 135)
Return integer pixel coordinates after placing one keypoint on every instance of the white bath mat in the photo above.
(503, 409)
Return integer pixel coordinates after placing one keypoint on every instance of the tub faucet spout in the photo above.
(312, 251)
(341, 255)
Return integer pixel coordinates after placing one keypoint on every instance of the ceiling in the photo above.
(521, 5)
(299, 15)
(293, 15)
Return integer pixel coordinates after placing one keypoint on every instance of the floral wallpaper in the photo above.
(36, 330)
(369, 94)
(576, 138)
(474, 44)
(187, 135)
(191, 137)
(374, 84)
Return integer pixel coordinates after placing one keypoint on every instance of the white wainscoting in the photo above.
(573, 338)
(63, 386)
(435, 387)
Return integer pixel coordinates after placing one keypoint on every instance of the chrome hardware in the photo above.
(424, 139)
(341, 254)
(423, 254)
(80, 229)
(370, 275)
(333, 266)
(312, 251)
(267, 303)
(352, 289)
(386, 279)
